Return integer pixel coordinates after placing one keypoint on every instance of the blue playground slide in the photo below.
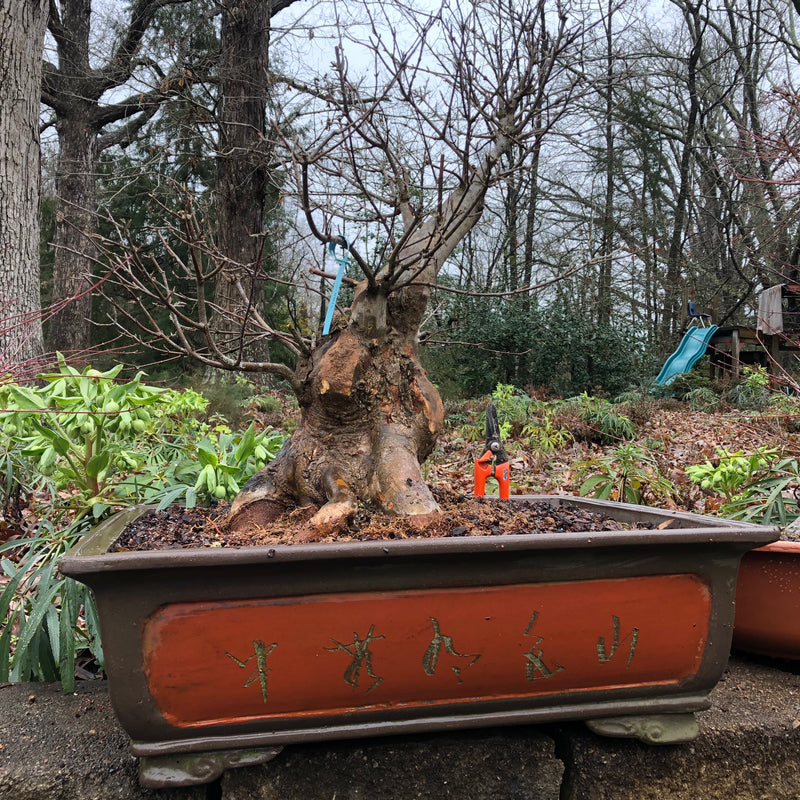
(689, 351)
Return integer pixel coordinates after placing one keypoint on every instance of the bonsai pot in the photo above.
(219, 657)
(767, 617)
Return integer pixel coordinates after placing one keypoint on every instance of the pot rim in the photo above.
(90, 554)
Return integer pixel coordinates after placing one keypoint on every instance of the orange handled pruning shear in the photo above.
(494, 461)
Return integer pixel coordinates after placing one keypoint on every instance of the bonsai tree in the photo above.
(415, 158)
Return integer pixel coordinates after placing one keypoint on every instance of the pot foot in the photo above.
(650, 729)
(192, 769)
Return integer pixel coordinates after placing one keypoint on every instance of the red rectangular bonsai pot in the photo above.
(227, 650)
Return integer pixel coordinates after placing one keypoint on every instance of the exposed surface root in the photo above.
(328, 522)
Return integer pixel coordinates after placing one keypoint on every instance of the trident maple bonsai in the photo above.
(369, 414)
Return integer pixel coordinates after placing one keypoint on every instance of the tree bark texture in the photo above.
(369, 417)
(22, 26)
(69, 329)
(242, 174)
(672, 298)
(605, 300)
(75, 89)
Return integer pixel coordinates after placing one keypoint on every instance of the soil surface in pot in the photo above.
(178, 527)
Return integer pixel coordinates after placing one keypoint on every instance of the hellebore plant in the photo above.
(76, 446)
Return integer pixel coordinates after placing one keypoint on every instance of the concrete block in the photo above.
(512, 764)
(748, 747)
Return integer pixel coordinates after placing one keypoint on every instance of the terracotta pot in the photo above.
(768, 601)
(216, 657)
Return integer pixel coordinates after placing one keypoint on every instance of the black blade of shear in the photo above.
(492, 424)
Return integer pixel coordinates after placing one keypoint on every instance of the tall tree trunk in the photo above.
(22, 27)
(531, 213)
(69, 330)
(672, 293)
(74, 89)
(512, 230)
(607, 240)
(242, 176)
(512, 210)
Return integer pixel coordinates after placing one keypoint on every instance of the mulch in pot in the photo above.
(178, 527)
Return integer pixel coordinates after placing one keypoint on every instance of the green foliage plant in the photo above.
(602, 421)
(512, 406)
(702, 398)
(629, 473)
(267, 403)
(697, 378)
(80, 429)
(221, 462)
(228, 397)
(783, 403)
(76, 446)
(773, 498)
(785, 409)
(752, 391)
(48, 620)
(543, 433)
(517, 341)
(639, 404)
(512, 413)
(633, 396)
(112, 442)
(730, 473)
(465, 420)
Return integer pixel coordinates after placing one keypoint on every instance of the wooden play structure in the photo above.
(776, 335)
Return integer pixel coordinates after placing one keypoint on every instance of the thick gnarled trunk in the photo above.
(369, 418)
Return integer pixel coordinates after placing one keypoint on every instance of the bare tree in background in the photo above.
(86, 123)
(244, 182)
(414, 158)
